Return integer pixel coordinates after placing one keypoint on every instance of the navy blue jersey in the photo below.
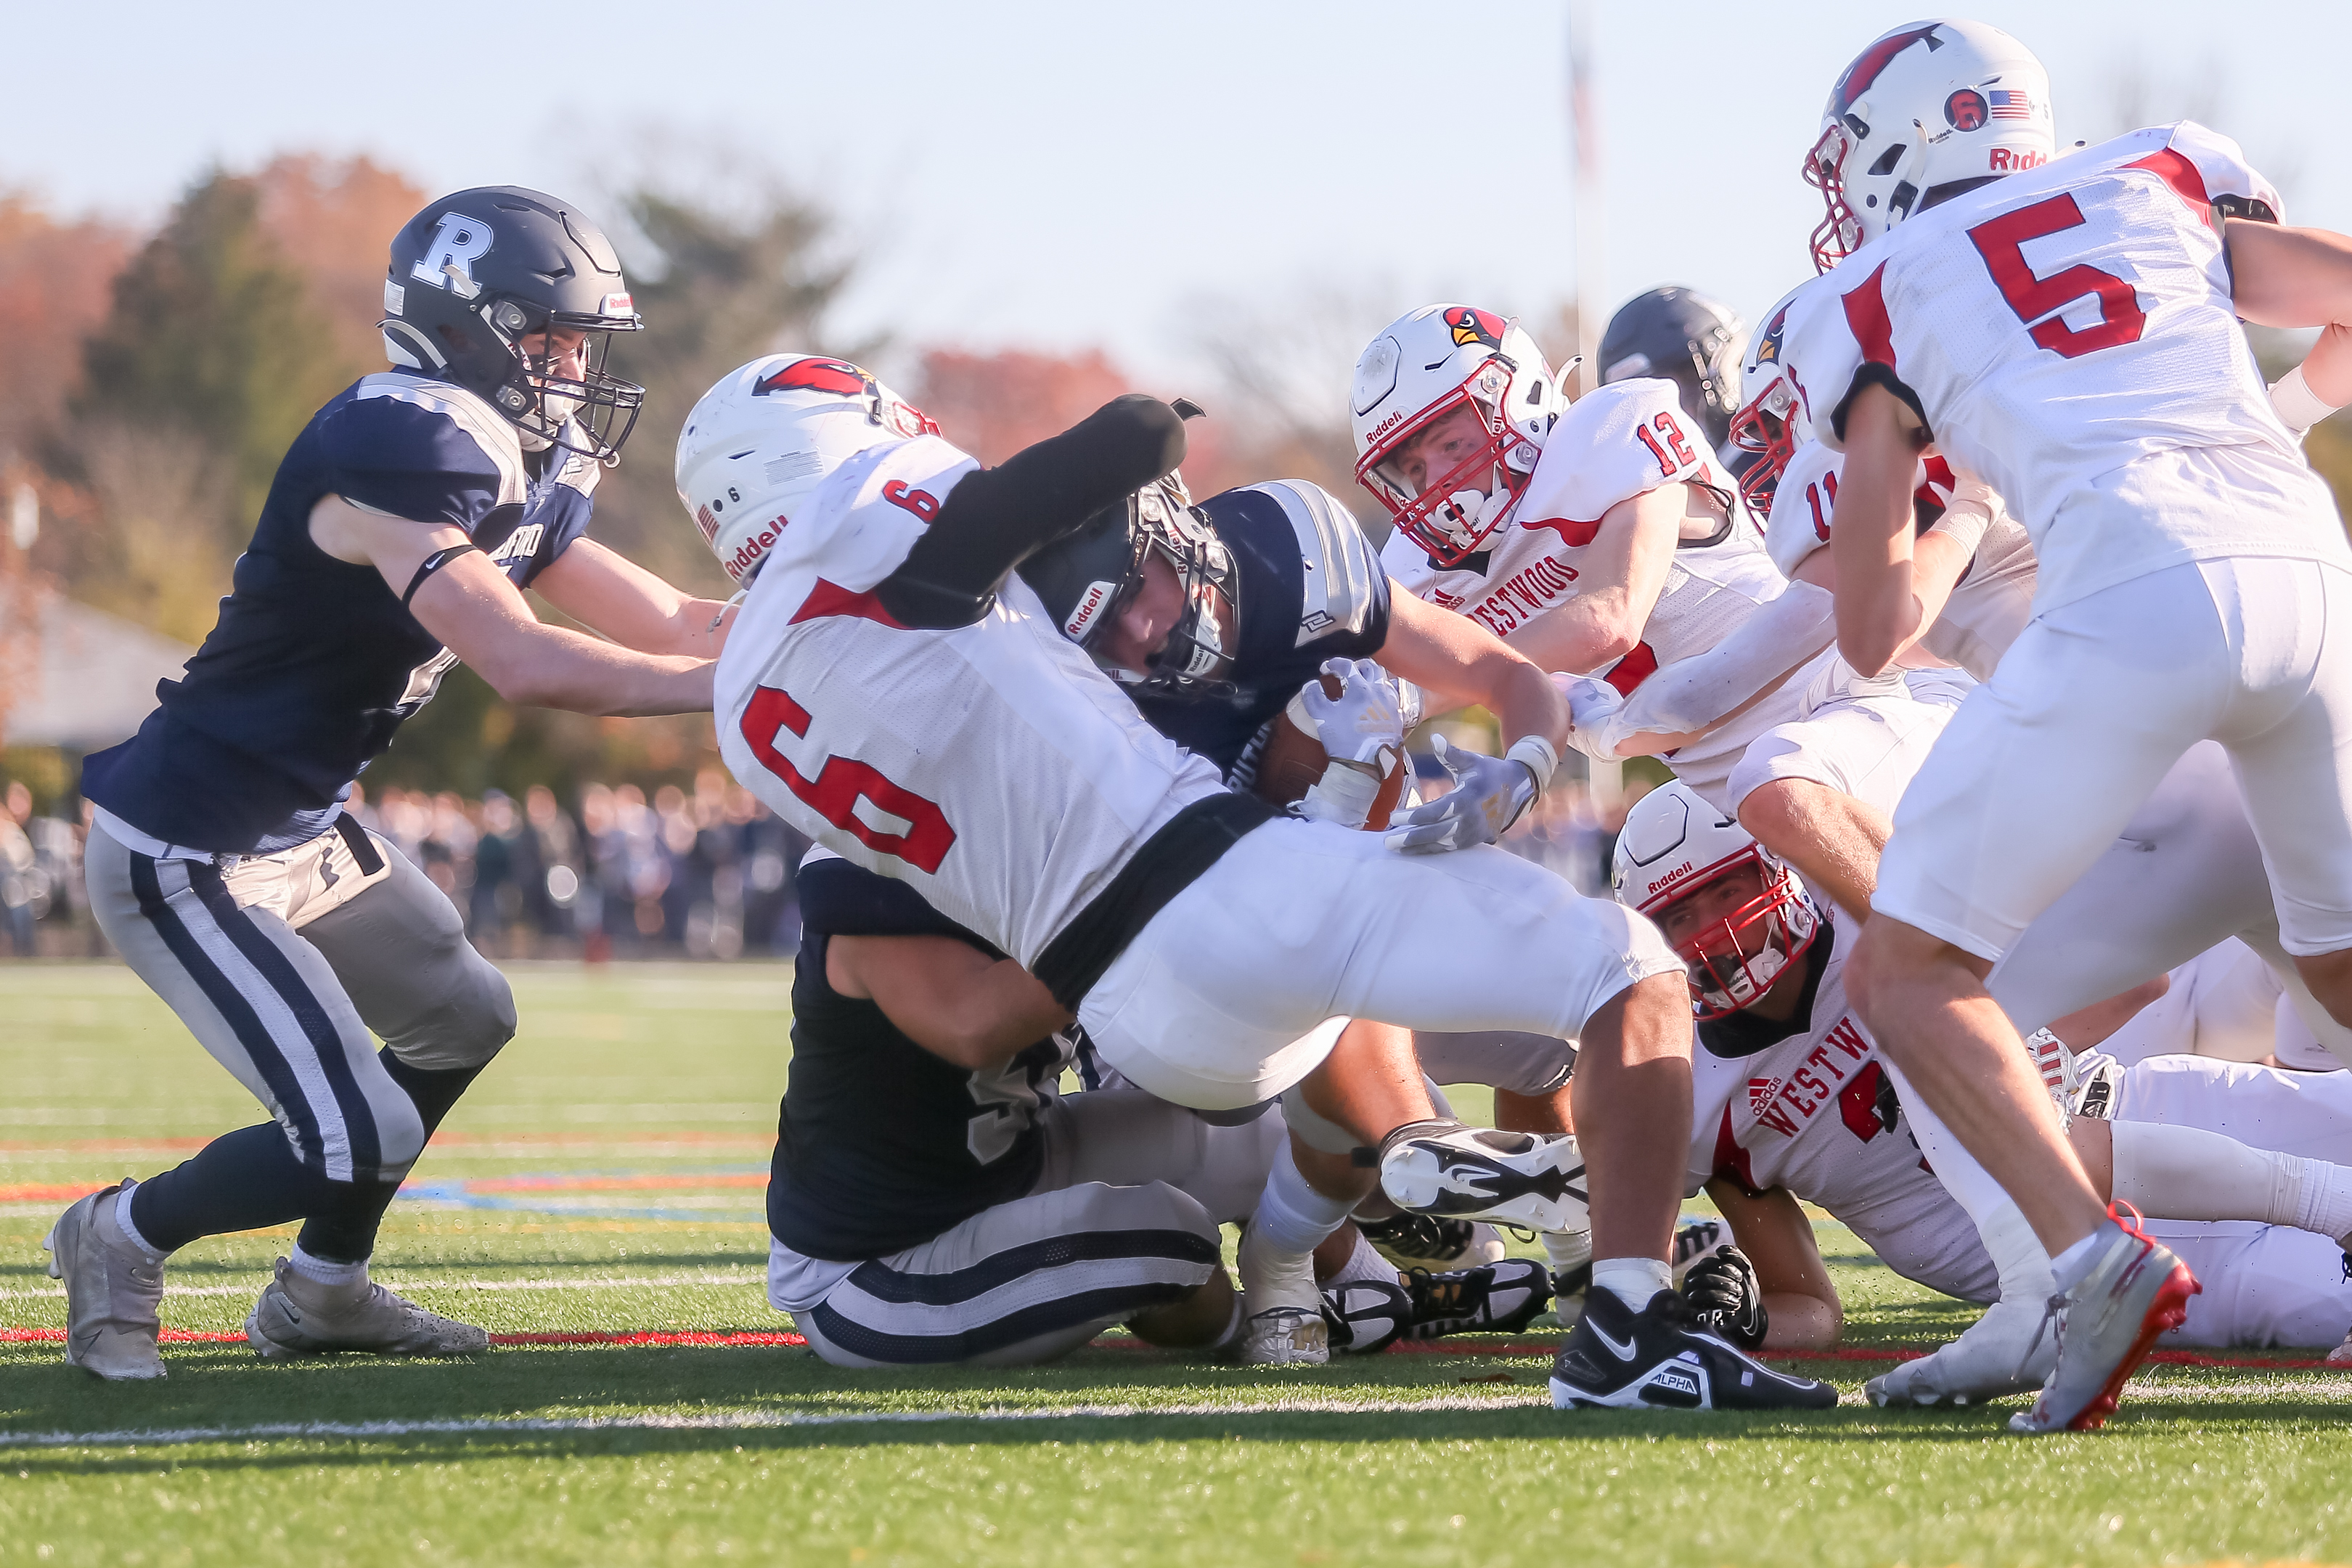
(314, 663)
(880, 1145)
(1311, 589)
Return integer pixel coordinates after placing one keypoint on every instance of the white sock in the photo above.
(152, 1253)
(2325, 1204)
(322, 1271)
(2187, 1172)
(1364, 1263)
(1567, 1249)
(1278, 1252)
(2069, 1266)
(1634, 1279)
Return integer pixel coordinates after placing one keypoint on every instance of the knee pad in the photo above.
(1314, 1130)
(471, 1022)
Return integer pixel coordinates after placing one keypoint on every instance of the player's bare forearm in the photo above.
(623, 601)
(2298, 278)
(1877, 608)
(946, 995)
(1799, 1297)
(478, 616)
(1624, 572)
(1457, 662)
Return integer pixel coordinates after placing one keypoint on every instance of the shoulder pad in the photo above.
(1343, 584)
(1616, 442)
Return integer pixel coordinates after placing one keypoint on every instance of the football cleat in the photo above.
(1283, 1336)
(1365, 1317)
(2008, 1351)
(1568, 1288)
(1616, 1358)
(2107, 1325)
(1453, 1171)
(114, 1296)
(1497, 1299)
(378, 1323)
(1419, 1240)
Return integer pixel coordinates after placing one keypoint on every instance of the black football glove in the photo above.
(1724, 1291)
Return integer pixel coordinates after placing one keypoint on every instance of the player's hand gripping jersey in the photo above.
(992, 766)
(1994, 597)
(1616, 443)
(2053, 326)
(315, 661)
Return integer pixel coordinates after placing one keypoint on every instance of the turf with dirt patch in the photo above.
(604, 1178)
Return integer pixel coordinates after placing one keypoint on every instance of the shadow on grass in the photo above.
(226, 1389)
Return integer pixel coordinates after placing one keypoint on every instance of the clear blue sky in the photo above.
(1061, 174)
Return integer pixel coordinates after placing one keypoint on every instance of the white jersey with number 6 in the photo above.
(2054, 326)
(993, 767)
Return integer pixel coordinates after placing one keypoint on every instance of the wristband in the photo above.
(2295, 404)
(1538, 756)
(1343, 795)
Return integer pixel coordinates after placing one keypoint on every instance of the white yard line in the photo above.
(402, 1283)
(727, 1421)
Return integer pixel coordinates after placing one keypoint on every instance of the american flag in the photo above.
(2009, 104)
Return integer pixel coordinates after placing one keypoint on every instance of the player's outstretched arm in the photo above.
(996, 519)
(1878, 608)
(1457, 662)
(947, 995)
(1799, 1296)
(606, 590)
(1624, 572)
(480, 616)
(2298, 278)
(1939, 559)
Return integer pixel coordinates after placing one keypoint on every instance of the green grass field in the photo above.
(605, 1177)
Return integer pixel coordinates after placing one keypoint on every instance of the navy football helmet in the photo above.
(1086, 579)
(1689, 339)
(475, 274)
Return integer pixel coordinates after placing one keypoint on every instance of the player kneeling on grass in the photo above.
(1794, 1103)
(936, 1199)
(903, 698)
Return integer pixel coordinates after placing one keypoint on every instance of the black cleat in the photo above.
(1453, 1172)
(1365, 1317)
(1406, 1239)
(1659, 1359)
(1497, 1299)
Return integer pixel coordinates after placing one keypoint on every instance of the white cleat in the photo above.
(378, 1323)
(1453, 1172)
(2010, 1350)
(2107, 1325)
(113, 1294)
(1284, 1336)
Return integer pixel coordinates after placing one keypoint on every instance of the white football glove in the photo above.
(1596, 715)
(1361, 730)
(1487, 796)
(1360, 723)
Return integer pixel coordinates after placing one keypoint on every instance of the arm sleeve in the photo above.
(996, 518)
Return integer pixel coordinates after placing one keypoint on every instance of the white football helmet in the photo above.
(1672, 845)
(1927, 105)
(762, 441)
(1771, 422)
(1425, 366)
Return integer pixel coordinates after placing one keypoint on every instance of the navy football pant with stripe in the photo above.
(280, 969)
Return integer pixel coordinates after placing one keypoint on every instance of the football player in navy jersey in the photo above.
(402, 527)
(1216, 618)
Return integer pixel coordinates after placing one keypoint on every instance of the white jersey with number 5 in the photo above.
(993, 767)
(2052, 327)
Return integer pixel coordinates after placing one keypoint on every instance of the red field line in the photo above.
(755, 1339)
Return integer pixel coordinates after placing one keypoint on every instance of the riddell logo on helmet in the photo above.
(2003, 160)
(1677, 875)
(1090, 604)
(747, 555)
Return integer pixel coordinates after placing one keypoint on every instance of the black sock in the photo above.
(345, 1232)
(240, 1181)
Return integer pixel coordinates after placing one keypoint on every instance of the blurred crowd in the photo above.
(703, 874)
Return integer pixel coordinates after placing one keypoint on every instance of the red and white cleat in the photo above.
(2135, 1290)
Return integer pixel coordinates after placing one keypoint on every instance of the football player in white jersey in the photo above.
(2069, 333)
(1605, 538)
(892, 689)
(1793, 1103)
